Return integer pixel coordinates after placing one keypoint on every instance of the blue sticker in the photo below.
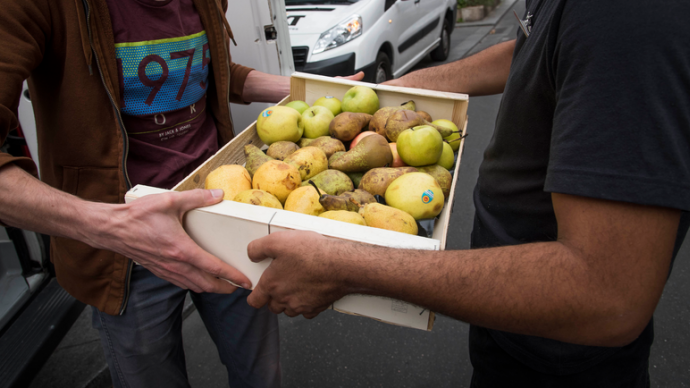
(427, 196)
(329, 96)
(266, 113)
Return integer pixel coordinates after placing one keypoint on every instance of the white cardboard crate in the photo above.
(226, 229)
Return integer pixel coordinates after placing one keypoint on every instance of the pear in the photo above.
(328, 145)
(442, 176)
(350, 200)
(378, 122)
(347, 125)
(333, 182)
(376, 180)
(356, 177)
(390, 218)
(409, 105)
(371, 152)
(447, 159)
(259, 198)
(309, 161)
(304, 200)
(305, 141)
(417, 194)
(344, 216)
(231, 178)
(254, 158)
(281, 149)
(403, 119)
(278, 178)
(359, 196)
(424, 115)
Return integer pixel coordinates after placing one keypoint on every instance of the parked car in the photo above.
(384, 38)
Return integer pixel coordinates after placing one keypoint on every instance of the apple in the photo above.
(447, 158)
(279, 123)
(397, 161)
(298, 105)
(330, 102)
(454, 144)
(359, 137)
(316, 121)
(420, 146)
(360, 99)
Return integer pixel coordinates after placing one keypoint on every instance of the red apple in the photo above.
(397, 161)
(360, 137)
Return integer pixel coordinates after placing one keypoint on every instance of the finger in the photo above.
(258, 298)
(187, 200)
(290, 313)
(261, 249)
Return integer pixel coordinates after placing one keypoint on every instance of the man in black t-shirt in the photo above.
(581, 202)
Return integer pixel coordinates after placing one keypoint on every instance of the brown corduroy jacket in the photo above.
(66, 50)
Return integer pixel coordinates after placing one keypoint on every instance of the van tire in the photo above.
(382, 70)
(441, 52)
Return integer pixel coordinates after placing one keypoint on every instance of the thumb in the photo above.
(259, 249)
(192, 199)
(258, 298)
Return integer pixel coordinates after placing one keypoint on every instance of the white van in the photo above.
(384, 38)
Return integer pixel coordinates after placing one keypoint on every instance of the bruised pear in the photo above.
(333, 182)
(442, 176)
(328, 145)
(376, 180)
(254, 158)
(309, 161)
(424, 115)
(359, 196)
(347, 125)
(259, 198)
(403, 119)
(281, 149)
(344, 216)
(389, 218)
(350, 200)
(278, 178)
(371, 152)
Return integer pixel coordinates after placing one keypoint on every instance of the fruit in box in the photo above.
(347, 125)
(389, 218)
(447, 158)
(377, 180)
(360, 99)
(277, 123)
(254, 158)
(331, 182)
(281, 149)
(416, 193)
(420, 146)
(259, 198)
(316, 121)
(344, 216)
(330, 102)
(304, 200)
(231, 178)
(371, 152)
(442, 176)
(309, 161)
(298, 105)
(278, 178)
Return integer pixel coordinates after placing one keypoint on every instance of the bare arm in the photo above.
(598, 284)
(148, 230)
(481, 74)
(264, 87)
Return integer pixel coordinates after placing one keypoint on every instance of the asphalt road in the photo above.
(338, 350)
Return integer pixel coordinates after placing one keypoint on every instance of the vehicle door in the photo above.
(404, 17)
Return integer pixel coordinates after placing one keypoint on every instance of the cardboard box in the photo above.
(226, 229)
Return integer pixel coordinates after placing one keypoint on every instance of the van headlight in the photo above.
(340, 34)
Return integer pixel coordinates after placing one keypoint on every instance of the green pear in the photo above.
(355, 177)
(316, 121)
(454, 138)
(447, 159)
(254, 158)
(360, 99)
(281, 149)
(347, 125)
(420, 146)
(278, 123)
(371, 152)
(417, 194)
(332, 182)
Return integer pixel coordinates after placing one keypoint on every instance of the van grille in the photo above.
(299, 55)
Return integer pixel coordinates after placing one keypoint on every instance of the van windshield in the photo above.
(319, 2)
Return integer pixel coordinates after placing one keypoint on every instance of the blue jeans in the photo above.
(143, 347)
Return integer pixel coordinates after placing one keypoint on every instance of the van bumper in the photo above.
(343, 65)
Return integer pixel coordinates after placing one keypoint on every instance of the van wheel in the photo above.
(441, 52)
(383, 68)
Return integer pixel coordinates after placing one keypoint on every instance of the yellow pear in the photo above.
(278, 178)
(304, 200)
(231, 178)
(389, 218)
(259, 198)
(416, 193)
(345, 216)
(309, 161)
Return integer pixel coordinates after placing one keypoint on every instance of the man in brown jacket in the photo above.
(110, 81)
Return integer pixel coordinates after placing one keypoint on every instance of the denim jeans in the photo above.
(143, 347)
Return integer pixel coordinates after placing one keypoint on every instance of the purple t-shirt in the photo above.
(163, 64)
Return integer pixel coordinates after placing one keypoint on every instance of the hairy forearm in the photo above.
(30, 204)
(541, 289)
(263, 87)
(481, 74)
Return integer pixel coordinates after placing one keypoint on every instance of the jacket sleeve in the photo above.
(24, 28)
(238, 73)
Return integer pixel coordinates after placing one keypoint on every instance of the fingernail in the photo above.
(217, 193)
(247, 286)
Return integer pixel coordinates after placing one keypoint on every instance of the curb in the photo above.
(493, 18)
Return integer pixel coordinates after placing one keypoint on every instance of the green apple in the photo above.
(361, 99)
(279, 123)
(447, 158)
(316, 121)
(454, 144)
(420, 146)
(330, 102)
(299, 105)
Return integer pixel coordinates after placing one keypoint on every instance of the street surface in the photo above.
(338, 350)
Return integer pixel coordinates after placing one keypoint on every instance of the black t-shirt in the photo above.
(597, 104)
